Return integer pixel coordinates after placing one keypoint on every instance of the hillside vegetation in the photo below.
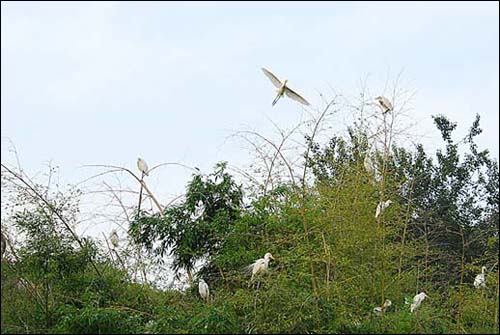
(334, 260)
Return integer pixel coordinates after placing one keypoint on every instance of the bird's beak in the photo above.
(272, 257)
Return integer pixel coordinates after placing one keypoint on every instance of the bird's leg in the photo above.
(256, 294)
(276, 99)
(140, 193)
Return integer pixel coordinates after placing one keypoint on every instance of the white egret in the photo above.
(384, 103)
(113, 237)
(480, 280)
(142, 166)
(381, 206)
(260, 265)
(383, 308)
(417, 300)
(387, 304)
(203, 290)
(283, 89)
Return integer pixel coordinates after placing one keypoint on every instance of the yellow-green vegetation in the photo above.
(334, 261)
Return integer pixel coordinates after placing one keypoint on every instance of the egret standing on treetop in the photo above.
(480, 280)
(381, 206)
(203, 290)
(384, 103)
(283, 89)
(142, 166)
(260, 265)
(113, 237)
(417, 300)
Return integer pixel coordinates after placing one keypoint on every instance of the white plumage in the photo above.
(283, 89)
(480, 280)
(387, 304)
(383, 308)
(417, 300)
(142, 166)
(260, 265)
(203, 289)
(381, 206)
(113, 237)
(384, 103)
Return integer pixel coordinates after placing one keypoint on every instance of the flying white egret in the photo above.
(260, 265)
(480, 280)
(417, 300)
(142, 166)
(368, 164)
(384, 103)
(381, 206)
(113, 237)
(283, 89)
(203, 290)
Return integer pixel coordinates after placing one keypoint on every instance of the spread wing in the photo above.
(276, 82)
(295, 96)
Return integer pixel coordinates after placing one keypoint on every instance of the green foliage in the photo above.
(334, 261)
(197, 227)
(92, 320)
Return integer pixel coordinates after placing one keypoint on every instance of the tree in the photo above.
(196, 228)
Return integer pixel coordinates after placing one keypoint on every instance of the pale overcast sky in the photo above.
(105, 82)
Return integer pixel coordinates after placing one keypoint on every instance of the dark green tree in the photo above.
(196, 228)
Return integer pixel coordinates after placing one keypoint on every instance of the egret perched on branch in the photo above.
(203, 290)
(480, 280)
(260, 265)
(384, 103)
(381, 206)
(417, 300)
(142, 166)
(113, 237)
(283, 89)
